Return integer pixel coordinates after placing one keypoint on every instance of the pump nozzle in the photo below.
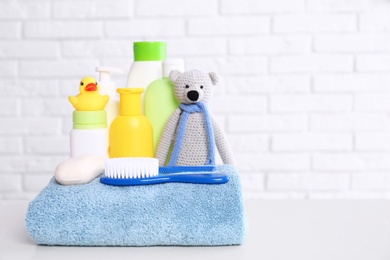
(104, 73)
(106, 85)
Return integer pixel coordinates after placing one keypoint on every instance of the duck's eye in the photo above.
(95, 83)
(201, 87)
(81, 83)
(187, 86)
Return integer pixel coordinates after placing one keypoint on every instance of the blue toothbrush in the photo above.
(185, 174)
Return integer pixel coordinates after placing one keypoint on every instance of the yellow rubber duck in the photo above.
(89, 98)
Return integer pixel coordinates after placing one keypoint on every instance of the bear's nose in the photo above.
(193, 95)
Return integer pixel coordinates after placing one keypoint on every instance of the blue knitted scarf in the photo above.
(199, 107)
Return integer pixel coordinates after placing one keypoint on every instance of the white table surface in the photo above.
(287, 229)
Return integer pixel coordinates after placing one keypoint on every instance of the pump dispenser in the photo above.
(107, 87)
(160, 99)
(131, 133)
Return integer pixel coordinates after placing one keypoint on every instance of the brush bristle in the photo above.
(130, 168)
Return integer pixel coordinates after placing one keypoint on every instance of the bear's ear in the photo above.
(174, 75)
(214, 78)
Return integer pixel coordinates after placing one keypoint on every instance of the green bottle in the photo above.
(160, 100)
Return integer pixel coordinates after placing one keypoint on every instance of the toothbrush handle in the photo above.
(199, 178)
(179, 169)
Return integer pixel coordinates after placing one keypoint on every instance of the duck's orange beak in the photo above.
(91, 87)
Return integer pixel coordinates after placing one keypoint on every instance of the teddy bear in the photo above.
(192, 133)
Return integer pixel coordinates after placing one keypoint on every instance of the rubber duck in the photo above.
(89, 98)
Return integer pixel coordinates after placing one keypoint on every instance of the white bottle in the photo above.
(90, 134)
(169, 65)
(147, 65)
(107, 87)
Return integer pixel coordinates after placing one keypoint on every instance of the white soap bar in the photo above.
(79, 170)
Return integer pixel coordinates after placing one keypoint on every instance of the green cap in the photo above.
(89, 119)
(149, 51)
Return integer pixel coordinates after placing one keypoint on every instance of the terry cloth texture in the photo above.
(182, 214)
(199, 107)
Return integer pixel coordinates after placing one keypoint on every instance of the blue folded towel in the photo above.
(95, 214)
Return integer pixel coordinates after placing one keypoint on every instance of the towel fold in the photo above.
(183, 214)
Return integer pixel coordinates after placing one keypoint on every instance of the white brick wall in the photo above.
(304, 99)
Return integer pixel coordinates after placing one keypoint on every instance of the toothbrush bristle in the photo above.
(131, 168)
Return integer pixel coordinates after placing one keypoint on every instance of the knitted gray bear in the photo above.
(192, 132)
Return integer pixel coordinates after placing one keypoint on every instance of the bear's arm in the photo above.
(222, 144)
(167, 136)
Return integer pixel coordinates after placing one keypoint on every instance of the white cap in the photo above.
(172, 64)
(107, 87)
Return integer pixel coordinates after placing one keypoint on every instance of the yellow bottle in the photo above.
(131, 133)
